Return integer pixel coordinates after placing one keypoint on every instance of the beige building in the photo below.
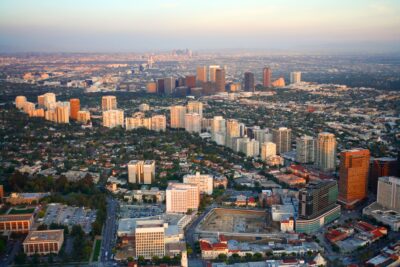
(144, 107)
(159, 123)
(389, 192)
(218, 130)
(193, 123)
(151, 87)
(16, 223)
(205, 182)
(108, 102)
(182, 197)
(113, 118)
(50, 115)
(295, 77)
(36, 113)
(62, 112)
(201, 74)
(133, 123)
(325, 157)
(212, 72)
(49, 100)
(178, 116)
(195, 107)
(28, 107)
(43, 242)
(305, 149)
(141, 172)
(268, 150)
(282, 137)
(232, 131)
(20, 101)
(83, 116)
(149, 236)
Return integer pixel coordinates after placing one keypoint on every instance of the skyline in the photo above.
(133, 26)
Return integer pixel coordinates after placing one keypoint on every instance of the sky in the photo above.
(159, 25)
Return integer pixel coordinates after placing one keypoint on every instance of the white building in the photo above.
(295, 77)
(141, 172)
(193, 123)
(113, 118)
(182, 197)
(203, 181)
(268, 150)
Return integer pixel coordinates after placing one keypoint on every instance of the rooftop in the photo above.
(46, 235)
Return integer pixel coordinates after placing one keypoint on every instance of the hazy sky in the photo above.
(133, 25)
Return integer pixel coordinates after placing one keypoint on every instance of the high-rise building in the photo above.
(232, 131)
(149, 238)
(108, 102)
(43, 242)
(75, 106)
(251, 148)
(40, 100)
(151, 87)
(141, 172)
(159, 123)
(295, 77)
(353, 176)
(208, 88)
(182, 197)
(317, 206)
(20, 101)
(62, 110)
(201, 74)
(49, 100)
(1, 193)
(113, 118)
(305, 149)
(212, 72)
(268, 150)
(169, 85)
(381, 167)
(249, 82)
(205, 182)
(195, 107)
(280, 82)
(28, 107)
(282, 137)
(83, 116)
(178, 116)
(218, 130)
(220, 80)
(389, 192)
(192, 123)
(160, 86)
(325, 156)
(267, 77)
(190, 81)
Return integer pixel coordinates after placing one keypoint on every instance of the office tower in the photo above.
(381, 167)
(249, 82)
(305, 149)
(267, 73)
(178, 116)
(50, 115)
(182, 91)
(169, 85)
(268, 150)
(133, 123)
(317, 206)
(113, 118)
(75, 106)
(158, 123)
(20, 101)
(295, 77)
(83, 116)
(182, 197)
(251, 148)
(28, 107)
(218, 130)
(151, 87)
(201, 74)
(220, 80)
(279, 82)
(180, 82)
(144, 107)
(62, 111)
(141, 172)
(36, 113)
(205, 182)
(232, 131)
(282, 137)
(160, 86)
(192, 123)
(108, 102)
(149, 238)
(195, 107)
(40, 100)
(260, 134)
(234, 87)
(208, 88)
(49, 100)
(389, 192)
(196, 91)
(43, 242)
(190, 81)
(353, 176)
(325, 157)
(212, 72)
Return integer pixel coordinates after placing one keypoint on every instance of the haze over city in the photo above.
(134, 26)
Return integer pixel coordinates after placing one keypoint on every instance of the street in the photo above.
(109, 230)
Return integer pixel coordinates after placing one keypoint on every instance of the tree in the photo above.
(20, 258)
(222, 257)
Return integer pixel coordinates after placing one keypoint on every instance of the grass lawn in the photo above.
(96, 250)
(21, 211)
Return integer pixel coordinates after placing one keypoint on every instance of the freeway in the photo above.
(109, 231)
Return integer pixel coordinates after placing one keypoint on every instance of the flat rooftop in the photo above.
(15, 217)
(46, 235)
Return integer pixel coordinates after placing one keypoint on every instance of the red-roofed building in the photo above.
(211, 251)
